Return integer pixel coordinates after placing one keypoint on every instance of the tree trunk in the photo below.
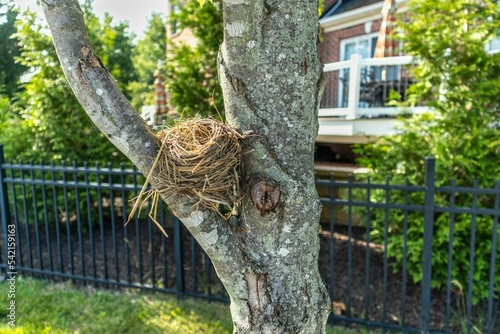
(267, 256)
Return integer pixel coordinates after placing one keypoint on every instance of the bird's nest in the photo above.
(199, 158)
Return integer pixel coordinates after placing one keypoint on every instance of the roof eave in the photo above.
(363, 13)
(357, 16)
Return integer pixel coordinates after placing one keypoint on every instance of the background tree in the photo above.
(149, 52)
(271, 77)
(192, 81)
(10, 70)
(47, 123)
(460, 82)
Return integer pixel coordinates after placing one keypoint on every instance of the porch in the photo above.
(354, 104)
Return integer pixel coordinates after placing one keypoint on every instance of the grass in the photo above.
(43, 307)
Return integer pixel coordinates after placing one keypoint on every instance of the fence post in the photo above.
(354, 79)
(430, 173)
(178, 258)
(4, 204)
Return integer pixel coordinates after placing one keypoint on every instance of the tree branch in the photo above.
(98, 93)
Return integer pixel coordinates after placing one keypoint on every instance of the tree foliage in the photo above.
(460, 82)
(10, 70)
(192, 81)
(148, 55)
(48, 123)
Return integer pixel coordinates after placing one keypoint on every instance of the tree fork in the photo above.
(271, 77)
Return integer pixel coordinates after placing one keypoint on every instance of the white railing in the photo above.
(351, 81)
(148, 114)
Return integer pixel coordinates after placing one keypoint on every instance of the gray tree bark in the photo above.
(271, 76)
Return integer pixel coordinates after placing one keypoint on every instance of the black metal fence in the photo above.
(68, 223)
(386, 294)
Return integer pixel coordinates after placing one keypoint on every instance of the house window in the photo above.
(363, 45)
(494, 45)
(174, 24)
(370, 75)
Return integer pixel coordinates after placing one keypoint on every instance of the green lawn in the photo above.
(43, 307)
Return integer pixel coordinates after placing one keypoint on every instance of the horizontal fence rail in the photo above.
(69, 222)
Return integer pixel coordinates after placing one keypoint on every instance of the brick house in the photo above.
(353, 108)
